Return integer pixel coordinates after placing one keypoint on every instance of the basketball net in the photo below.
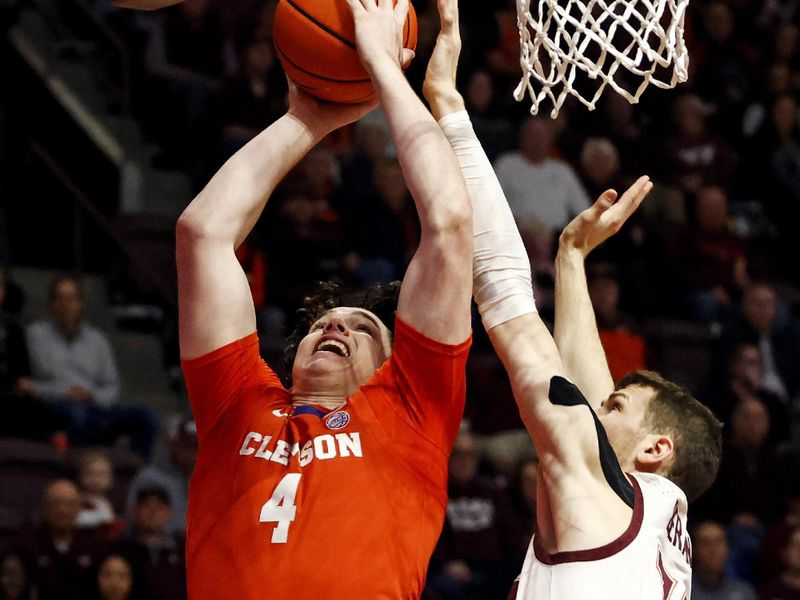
(587, 44)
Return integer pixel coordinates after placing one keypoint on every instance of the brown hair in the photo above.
(695, 431)
(380, 299)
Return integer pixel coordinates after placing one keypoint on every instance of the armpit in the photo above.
(565, 393)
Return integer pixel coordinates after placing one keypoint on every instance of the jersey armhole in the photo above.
(565, 393)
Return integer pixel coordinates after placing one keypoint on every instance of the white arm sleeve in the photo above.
(501, 268)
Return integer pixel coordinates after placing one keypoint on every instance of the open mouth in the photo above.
(333, 346)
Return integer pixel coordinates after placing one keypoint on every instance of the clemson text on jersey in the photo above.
(321, 447)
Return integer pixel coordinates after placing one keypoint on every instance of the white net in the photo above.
(574, 47)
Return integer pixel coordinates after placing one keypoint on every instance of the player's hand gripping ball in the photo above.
(315, 41)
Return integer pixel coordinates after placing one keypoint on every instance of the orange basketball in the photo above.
(315, 41)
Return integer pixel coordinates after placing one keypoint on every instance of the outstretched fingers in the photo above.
(357, 6)
(448, 16)
(605, 201)
(400, 12)
(632, 198)
(604, 218)
(439, 86)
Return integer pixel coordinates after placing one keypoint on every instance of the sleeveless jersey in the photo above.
(649, 561)
(303, 503)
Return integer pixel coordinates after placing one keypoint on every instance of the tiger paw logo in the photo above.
(337, 420)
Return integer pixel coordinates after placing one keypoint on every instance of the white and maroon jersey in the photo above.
(649, 561)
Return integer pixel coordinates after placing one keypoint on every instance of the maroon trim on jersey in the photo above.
(602, 552)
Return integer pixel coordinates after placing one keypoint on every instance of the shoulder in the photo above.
(658, 484)
(94, 333)
(407, 337)
(561, 166)
(507, 159)
(38, 328)
(665, 500)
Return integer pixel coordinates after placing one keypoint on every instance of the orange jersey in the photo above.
(302, 503)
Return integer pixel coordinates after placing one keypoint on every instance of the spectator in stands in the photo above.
(786, 586)
(693, 156)
(15, 578)
(783, 192)
(774, 126)
(766, 322)
(382, 231)
(745, 380)
(470, 558)
(95, 480)
(174, 477)
(23, 416)
(724, 67)
(494, 132)
(773, 13)
(600, 166)
(73, 369)
(302, 244)
(187, 56)
(743, 495)
(503, 59)
(62, 554)
(709, 260)
(252, 99)
(539, 188)
(370, 147)
(777, 536)
(115, 579)
(157, 557)
(709, 557)
(620, 122)
(504, 449)
(784, 43)
(624, 345)
(777, 82)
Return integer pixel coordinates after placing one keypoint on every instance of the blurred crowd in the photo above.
(711, 256)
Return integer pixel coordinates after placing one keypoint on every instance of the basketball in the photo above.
(315, 42)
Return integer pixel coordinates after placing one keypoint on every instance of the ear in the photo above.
(655, 453)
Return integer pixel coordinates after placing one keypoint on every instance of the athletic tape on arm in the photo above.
(501, 268)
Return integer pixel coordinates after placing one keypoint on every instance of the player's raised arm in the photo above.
(501, 268)
(557, 417)
(215, 305)
(435, 295)
(576, 332)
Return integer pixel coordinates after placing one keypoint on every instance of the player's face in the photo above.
(348, 343)
(622, 415)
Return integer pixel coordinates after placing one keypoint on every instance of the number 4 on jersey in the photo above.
(281, 508)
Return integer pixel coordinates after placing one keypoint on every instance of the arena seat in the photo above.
(26, 467)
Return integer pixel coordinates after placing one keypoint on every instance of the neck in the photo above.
(535, 159)
(742, 387)
(329, 401)
(326, 389)
(792, 578)
(68, 330)
(710, 580)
